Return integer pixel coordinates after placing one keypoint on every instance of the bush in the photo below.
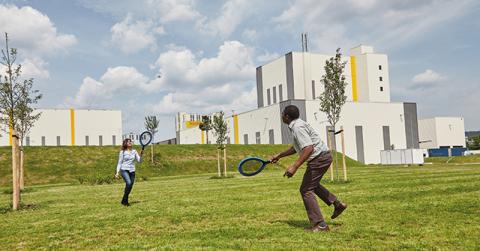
(96, 179)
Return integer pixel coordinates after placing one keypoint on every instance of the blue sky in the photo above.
(158, 57)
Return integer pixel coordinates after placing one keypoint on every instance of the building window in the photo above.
(280, 93)
(274, 95)
(114, 140)
(271, 137)
(269, 101)
(257, 138)
(58, 140)
(245, 139)
(87, 141)
(100, 140)
(381, 79)
(380, 67)
(381, 88)
(43, 140)
(313, 89)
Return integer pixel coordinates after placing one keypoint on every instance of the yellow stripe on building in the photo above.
(203, 137)
(235, 129)
(72, 125)
(353, 64)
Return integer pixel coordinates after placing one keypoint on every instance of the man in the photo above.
(307, 143)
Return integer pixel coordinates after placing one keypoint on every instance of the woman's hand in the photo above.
(275, 159)
(117, 176)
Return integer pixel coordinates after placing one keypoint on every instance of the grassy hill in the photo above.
(390, 208)
(46, 165)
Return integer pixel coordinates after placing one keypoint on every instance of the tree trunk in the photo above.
(152, 150)
(343, 155)
(22, 169)
(225, 161)
(15, 172)
(218, 163)
(331, 150)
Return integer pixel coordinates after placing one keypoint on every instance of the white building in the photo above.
(441, 132)
(69, 127)
(370, 121)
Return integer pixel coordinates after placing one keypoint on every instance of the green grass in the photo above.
(390, 208)
(470, 159)
(46, 165)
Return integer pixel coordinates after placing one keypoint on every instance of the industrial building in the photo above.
(442, 132)
(370, 120)
(70, 127)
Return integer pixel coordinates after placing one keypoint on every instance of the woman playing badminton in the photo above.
(126, 167)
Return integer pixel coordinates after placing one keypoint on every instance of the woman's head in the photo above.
(127, 144)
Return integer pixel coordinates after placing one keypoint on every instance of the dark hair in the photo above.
(124, 144)
(292, 112)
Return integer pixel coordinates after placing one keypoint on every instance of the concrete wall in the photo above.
(442, 132)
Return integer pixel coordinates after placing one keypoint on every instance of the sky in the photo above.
(159, 57)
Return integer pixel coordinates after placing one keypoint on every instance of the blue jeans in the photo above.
(129, 178)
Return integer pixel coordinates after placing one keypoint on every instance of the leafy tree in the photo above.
(474, 143)
(151, 124)
(206, 125)
(17, 97)
(220, 130)
(333, 97)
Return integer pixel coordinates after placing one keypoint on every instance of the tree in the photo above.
(206, 125)
(151, 124)
(16, 113)
(333, 97)
(220, 130)
(473, 143)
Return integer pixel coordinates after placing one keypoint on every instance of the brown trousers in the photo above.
(316, 168)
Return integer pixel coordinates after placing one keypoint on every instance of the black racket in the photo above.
(252, 166)
(145, 139)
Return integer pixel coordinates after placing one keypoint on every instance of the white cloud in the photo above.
(428, 76)
(267, 57)
(233, 13)
(32, 32)
(164, 11)
(35, 68)
(250, 34)
(343, 23)
(120, 79)
(133, 36)
(180, 68)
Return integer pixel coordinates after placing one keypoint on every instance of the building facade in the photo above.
(70, 127)
(442, 132)
(371, 122)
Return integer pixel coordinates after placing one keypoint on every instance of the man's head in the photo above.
(290, 113)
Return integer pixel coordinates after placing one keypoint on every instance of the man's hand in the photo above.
(290, 171)
(275, 159)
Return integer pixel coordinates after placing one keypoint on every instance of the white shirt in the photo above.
(304, 135)
(126, 160)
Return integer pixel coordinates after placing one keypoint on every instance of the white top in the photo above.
(126, 160)
(304, 135)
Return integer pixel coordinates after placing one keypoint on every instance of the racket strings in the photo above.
(251, 166)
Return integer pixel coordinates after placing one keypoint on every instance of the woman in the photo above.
(126, 167)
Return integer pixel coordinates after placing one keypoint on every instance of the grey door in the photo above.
(257, 138)
(359, 140)
(114, 140)
(245, 139)
(58, 140)
(386, 138)
(87, 141)
(43, 140)
(271, 137)
(100, 140)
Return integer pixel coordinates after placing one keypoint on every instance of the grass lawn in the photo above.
(429, 207)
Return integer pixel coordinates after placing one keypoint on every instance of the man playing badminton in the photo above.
(306, 142)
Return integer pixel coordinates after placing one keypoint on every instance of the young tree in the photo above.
(220, 130)
(151, 124)
(206, 125)
(16, 113)
(27, 117)
(333, 97)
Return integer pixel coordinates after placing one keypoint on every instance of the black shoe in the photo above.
(339, 208)
(125, 203)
